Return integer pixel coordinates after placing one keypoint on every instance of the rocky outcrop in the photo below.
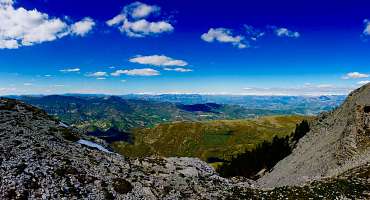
(338, 141)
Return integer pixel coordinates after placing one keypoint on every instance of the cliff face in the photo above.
(338, 141)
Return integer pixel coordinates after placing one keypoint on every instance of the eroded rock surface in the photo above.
(338, 141)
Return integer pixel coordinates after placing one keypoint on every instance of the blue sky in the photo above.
(214, 47)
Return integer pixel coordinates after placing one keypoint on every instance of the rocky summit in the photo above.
(42, 158)
(338, 141)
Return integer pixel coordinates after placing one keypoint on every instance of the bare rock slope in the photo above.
(338, 141)
(40, 159)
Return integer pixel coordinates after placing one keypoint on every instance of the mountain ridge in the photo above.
(338, 140)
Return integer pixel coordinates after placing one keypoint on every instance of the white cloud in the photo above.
(70, 70)
(363, 82)
(158, 60)
(325, 86)
(116, 20)
(140, 10)
(101, 78)
(7, 90)
(366, 31)
(178, 69)
(123, 81)
(97, 74)
(118, 73)
(355, 75)
(8, 44)
(142, 28)
(284, 32)
(137, 72)
(21, 27)
(82, 27)
(132, 21)
(224, 35)
(27, 84)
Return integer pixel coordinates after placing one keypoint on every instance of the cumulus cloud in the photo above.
(137, 72)
(97, 74)
(158, 60)
(355, 75)
(82, 27)
(224, 35)
(363, 82)
(142, 28)
(133, 21)
(178, 69)
(70, 70)
(21, 27)
(140, 10)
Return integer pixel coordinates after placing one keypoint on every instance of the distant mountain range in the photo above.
(305, 105)
(92, 112)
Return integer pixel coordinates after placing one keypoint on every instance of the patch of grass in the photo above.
(221, 139)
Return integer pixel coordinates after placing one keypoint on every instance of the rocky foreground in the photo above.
(41, 159)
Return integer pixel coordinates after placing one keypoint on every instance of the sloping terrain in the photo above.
(211, 140)
(40, 159)
(338, 141)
